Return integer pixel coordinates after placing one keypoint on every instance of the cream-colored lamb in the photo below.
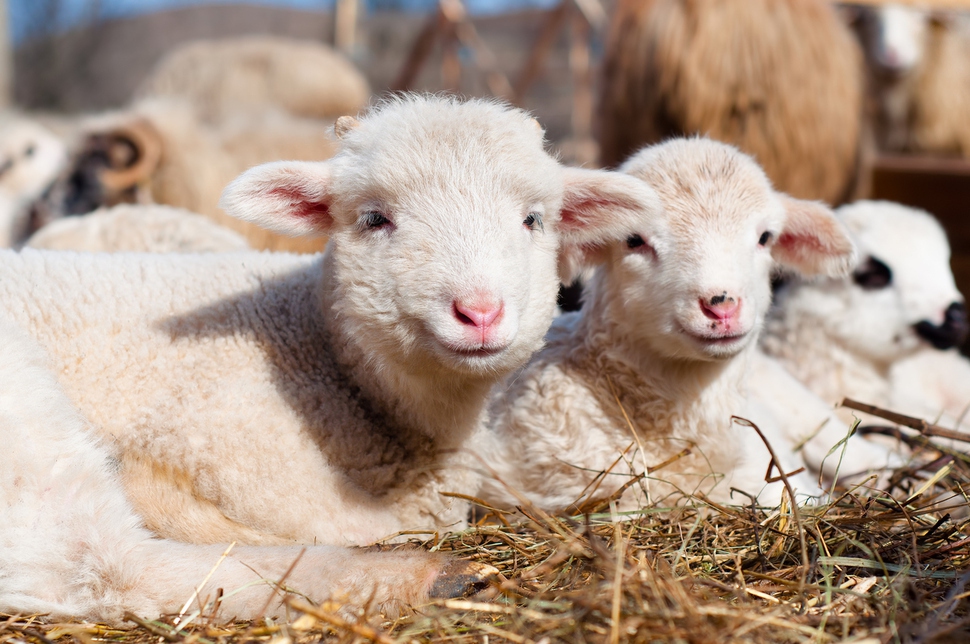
(657, 360)
(148, 228)
(886, 334)
(273, 399)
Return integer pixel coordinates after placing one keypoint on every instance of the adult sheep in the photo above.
(148, 228)
(781, 80)
(252, 73)
(160, 150)
(274, 399)
(887, 333)
(919, 77)
(657, 360)
(210, 110)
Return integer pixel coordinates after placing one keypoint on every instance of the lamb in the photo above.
(919, 77)
(146, 228)
(657, 359)
(30, 159)
(727, 70)
(275, 399)
(887, 334)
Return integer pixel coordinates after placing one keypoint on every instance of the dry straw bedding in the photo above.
(872, 568)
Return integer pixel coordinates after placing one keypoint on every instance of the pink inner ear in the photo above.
(572, 214)
(796, 243)
(317, 212)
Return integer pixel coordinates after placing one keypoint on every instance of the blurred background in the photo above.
(838, 101)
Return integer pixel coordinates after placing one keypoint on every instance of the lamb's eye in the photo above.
(635, 241)
(533, 221)
(29, 152)
(873, 275)
(765, 238)
(375, 219)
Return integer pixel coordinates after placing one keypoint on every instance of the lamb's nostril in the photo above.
(720, 307)
(480, 314)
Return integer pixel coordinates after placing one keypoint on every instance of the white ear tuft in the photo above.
(599, 207)
(813, 242)
(288, 197)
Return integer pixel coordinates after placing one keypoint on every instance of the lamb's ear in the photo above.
(813, 241)
(599, 207)
(288, 197)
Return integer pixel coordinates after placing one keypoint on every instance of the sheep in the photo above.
(274, 399)
(210, 110)
(726, 70)
(222, 77)
(887, 334)
(657, 359)
(159, 150)
(30, 159)
(146, 228)
(919, 78)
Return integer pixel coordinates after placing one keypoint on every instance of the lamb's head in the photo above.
(444, 220)
(694, 281)
(900, 297)
(30, 159)
(894, 38)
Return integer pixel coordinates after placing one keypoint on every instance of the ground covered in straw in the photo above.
(864, 568)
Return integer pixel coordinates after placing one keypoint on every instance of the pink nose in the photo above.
(721, 307)
(481, 315)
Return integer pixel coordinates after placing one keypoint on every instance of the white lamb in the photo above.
(274, 400)
(885, 335)
(30, 159)
(146, 228)
(657, 359)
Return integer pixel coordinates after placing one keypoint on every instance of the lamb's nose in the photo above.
(720, 307)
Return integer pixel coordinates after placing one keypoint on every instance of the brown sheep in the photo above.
(781, 79)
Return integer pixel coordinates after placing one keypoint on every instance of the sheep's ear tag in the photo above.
(345, 124)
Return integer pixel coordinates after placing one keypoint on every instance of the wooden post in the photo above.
(6, 57)
(345, 25)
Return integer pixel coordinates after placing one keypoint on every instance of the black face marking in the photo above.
(873, 275)
(953, 331)
(765, 238)
(635, 241)
(533, 221)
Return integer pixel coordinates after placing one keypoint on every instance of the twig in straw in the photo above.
(803, 572)
(336, 621)
(920, 425)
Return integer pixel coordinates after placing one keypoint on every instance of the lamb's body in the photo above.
(569, 422)
(149, 228)
(275, 387)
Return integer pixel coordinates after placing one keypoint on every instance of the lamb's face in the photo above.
(902, 295)
(894, 37)
(30, 159)
(444, 221)
(694, 282)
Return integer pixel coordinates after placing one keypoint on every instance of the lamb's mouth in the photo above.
(715, 340)
(484, 351)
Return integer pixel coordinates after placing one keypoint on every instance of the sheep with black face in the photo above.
(863, 335)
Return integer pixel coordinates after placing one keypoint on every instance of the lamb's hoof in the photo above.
(462, 578)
